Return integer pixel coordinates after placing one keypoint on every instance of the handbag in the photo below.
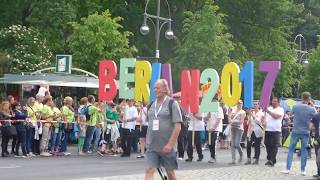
(12, 131)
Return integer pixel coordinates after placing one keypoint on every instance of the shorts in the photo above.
(143, 132)
(157, 159)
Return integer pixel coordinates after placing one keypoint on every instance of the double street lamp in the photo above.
(158, 22)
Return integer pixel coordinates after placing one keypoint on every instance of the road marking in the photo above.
(9, 167)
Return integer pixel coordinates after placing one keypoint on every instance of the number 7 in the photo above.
(272, 68)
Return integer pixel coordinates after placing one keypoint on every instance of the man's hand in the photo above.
(167, 149)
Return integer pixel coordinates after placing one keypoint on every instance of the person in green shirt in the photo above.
(68, 117)
(100, 119)
(112, 126)
(47, 115)
(92, 121)
(57, 131)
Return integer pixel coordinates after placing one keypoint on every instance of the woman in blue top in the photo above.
(21, 115)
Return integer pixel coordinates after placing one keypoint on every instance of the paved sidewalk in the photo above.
(236, 172)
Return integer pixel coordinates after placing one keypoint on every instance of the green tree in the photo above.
(52, 19)
(98, 37)
(311, 79)
(26, 50)
(264, 28)
(206, 42)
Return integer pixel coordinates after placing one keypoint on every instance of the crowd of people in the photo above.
(41, 127)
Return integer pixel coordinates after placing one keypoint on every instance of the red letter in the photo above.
(107, 82)
(190, 90)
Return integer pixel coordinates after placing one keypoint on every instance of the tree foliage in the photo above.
(98, 37)
(27, 52)
(312, 77)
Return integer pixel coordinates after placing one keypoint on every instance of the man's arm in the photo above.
(173, 138)
(273, 115)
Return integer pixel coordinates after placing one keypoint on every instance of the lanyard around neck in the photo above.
(160, 107)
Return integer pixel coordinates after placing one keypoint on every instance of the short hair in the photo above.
(83, 101)
(165, 85)
(30, 99)
(275, 97)
(46, 99)
(91, 98)
(66, 99)
(306, 96)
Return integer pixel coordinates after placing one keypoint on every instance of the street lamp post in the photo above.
(158, 24)
(302, 54)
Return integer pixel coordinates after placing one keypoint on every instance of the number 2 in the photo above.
(207, 105)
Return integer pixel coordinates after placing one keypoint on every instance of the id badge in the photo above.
(155, 124)
(56, 130)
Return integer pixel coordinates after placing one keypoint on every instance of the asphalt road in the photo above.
(73, 167)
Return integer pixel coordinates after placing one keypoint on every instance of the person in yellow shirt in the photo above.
(92, 121)
(68, 117)
(57, 131)
(47, 115)
(33, 116)
(100, 119)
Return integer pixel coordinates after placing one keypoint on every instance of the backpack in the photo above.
(183, 114)
(85, 111)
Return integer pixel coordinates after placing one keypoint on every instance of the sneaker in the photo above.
(180, 158)
(269, 163)
(66, 153)
(189, 160)
(285, 171)
(125, 155)
(232, 163)
(140, 156)
(256, 161)
(5, 155)
(89, 152)
(303, 173)
(316, 176)
(31, 154)
(248, 162)
(212, 160)
(200, 159)
(19, 156)
(45, 154)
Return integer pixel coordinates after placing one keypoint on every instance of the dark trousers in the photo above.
(14, 143)
(30, 139)
(212, 146)
(21, 140)
(317, 150)
(257, 143)
(181, 142)
(272, 142)
(89, 136)
(197, 143)
(64, 142)
(5, 139)
(135, 139)
(126, 141)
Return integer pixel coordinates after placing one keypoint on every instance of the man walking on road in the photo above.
(274, 116)
(163, 131)
(303, 114)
